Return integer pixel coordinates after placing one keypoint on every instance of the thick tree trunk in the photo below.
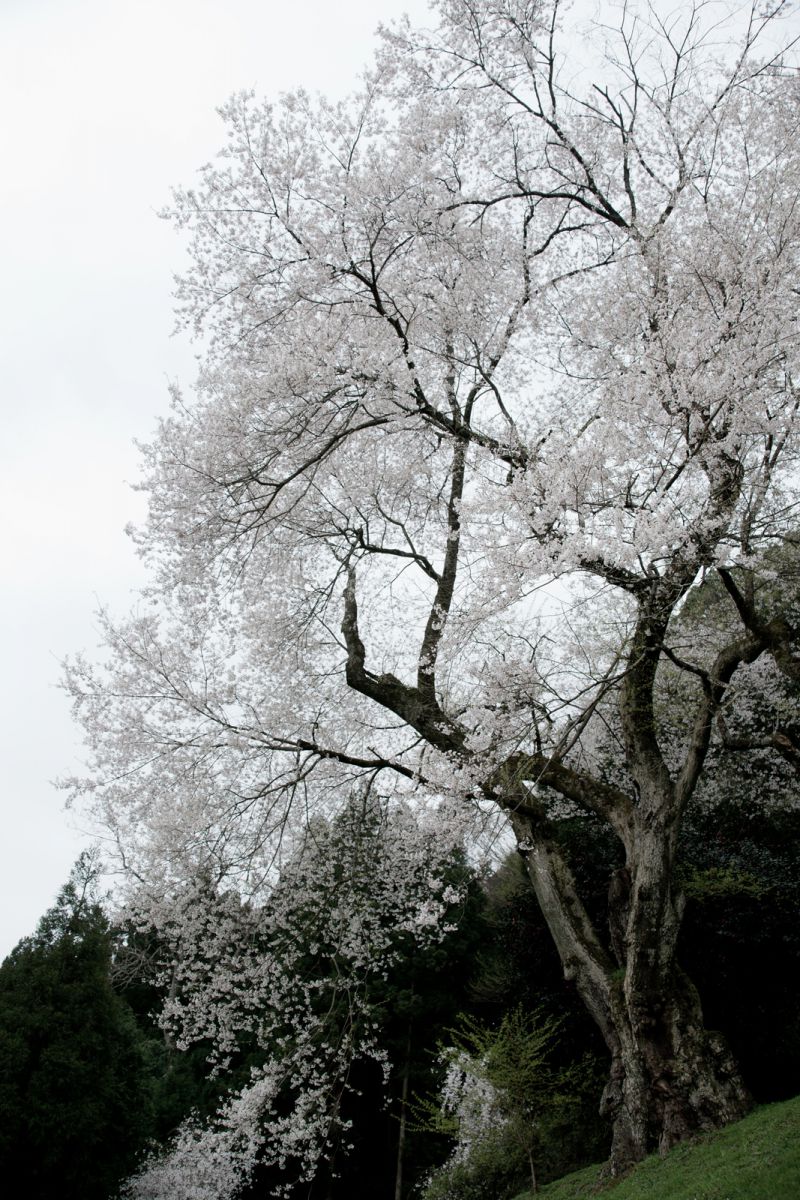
(670, 1077)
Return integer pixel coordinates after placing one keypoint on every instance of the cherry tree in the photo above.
(287, 980)
(500, 362)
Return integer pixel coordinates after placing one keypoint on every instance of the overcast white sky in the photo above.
(105, 105)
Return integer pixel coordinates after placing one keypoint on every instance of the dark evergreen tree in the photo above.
(414, 1007)
(383, 1154)
(74, 1075)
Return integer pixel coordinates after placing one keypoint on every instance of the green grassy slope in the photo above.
(755, 1159)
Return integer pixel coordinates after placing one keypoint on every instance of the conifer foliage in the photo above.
(74, 1075)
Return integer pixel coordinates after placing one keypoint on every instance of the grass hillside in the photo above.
(755, 1159)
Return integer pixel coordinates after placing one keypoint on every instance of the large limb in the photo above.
(584, 958)
(440, 609)
(779, 636)
(420, 710)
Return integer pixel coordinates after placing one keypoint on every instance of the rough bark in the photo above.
(669, 1077)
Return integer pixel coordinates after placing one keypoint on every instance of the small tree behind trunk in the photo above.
(401, 1137)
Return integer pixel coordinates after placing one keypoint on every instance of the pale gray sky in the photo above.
(105, 105)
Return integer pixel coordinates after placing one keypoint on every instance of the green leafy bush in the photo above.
(506, 1104)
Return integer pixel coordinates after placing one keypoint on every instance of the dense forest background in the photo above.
(89, 1082)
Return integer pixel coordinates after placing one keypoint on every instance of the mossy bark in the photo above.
(670, 1077)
